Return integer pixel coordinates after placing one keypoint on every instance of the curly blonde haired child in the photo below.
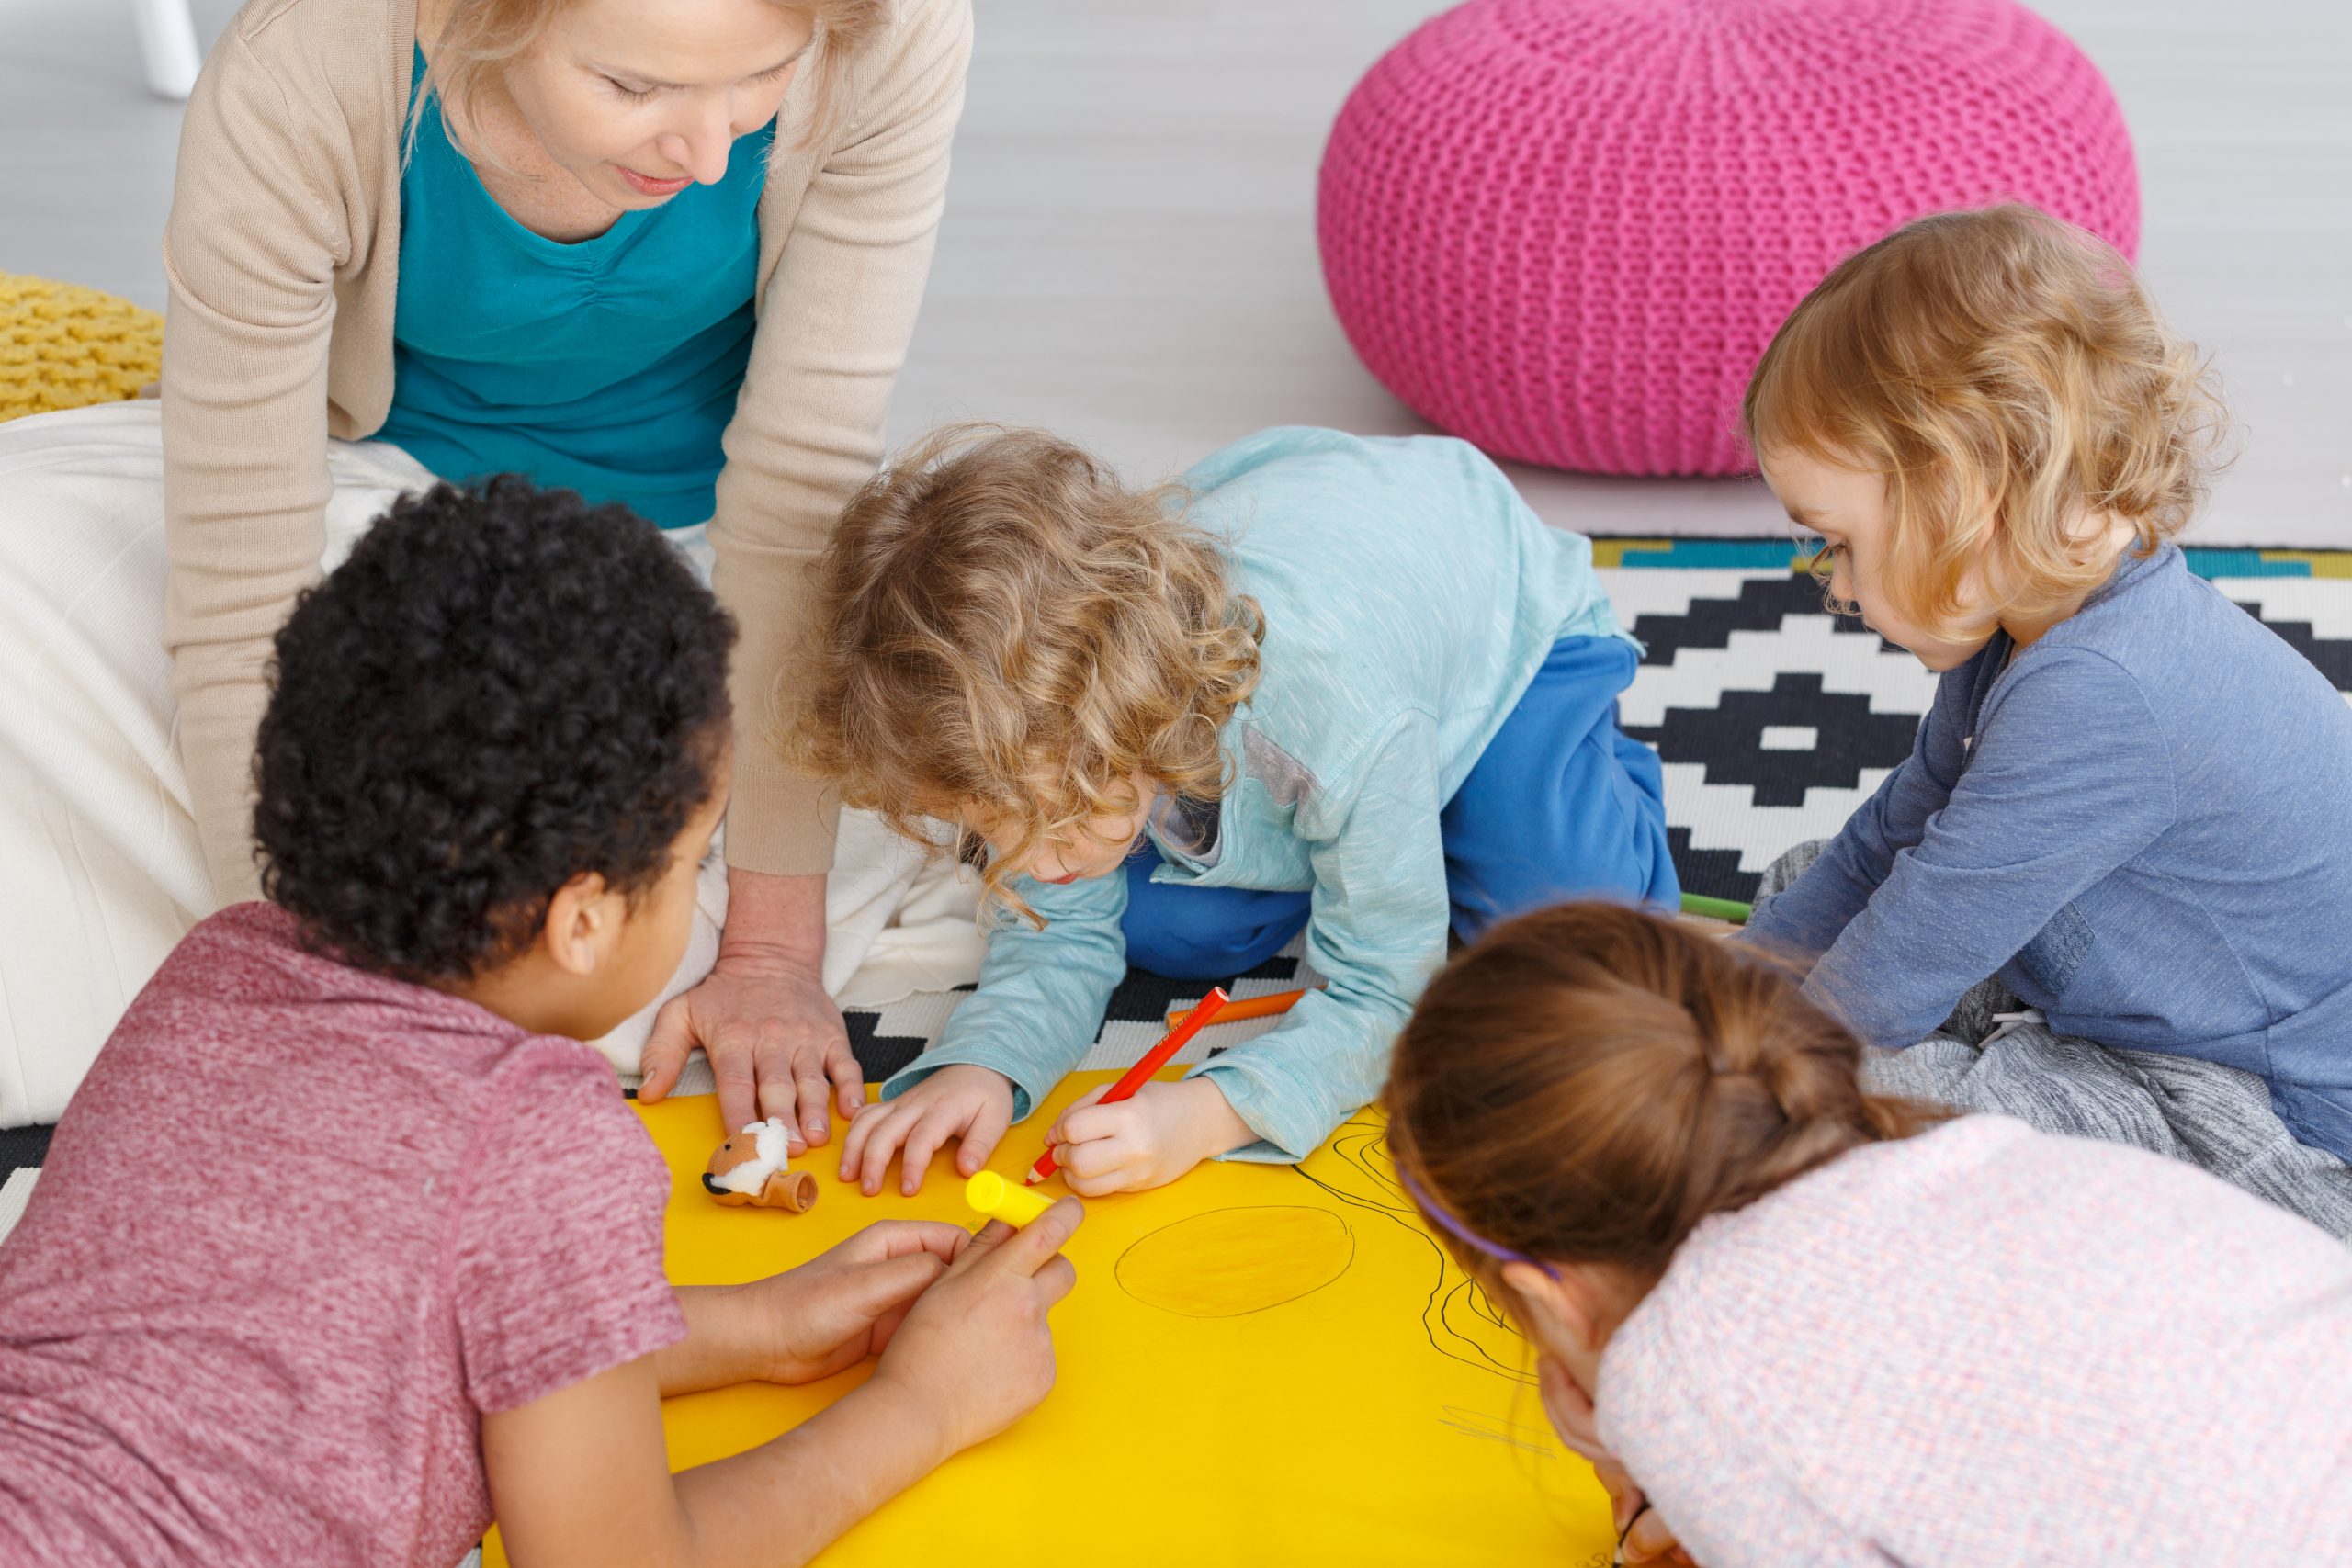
(1069, 637)
(1350, 685)
(2132, 803)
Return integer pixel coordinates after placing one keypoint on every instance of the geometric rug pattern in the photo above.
(1772, 718)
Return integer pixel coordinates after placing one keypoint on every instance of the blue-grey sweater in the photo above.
(2142, 822)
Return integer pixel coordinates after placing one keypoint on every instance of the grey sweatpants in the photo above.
(1987, 1058)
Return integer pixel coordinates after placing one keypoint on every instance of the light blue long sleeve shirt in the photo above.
(1409, 597)
(2142, 823)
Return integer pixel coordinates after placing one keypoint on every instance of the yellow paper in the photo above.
(1259, 1364)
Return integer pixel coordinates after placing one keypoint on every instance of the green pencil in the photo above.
(1717, 908)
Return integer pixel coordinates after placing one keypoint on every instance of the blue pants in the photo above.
(1561, 805)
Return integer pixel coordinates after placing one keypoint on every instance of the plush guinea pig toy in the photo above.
(750, 1167)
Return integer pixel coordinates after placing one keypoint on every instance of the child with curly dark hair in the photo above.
(348, 1241)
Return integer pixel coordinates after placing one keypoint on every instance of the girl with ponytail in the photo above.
(1792, 1322)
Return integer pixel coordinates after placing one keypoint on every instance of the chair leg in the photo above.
(167, 43)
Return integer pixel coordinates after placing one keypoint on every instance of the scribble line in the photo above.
(1362, 1146)
(1496, 1429)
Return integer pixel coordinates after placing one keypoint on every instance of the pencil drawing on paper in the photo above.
(1462, 1321)
(1497, 1429)
(1230, 1262)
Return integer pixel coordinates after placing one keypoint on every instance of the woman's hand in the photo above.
(775, 1039)
(975, 1354)
(1149, 1140)
(958, 1100)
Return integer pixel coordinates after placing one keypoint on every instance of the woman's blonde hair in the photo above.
(2009, 377)
(1001, 624)
(478, 37)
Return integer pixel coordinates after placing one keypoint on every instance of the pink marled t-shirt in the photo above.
(1988, 1346)
(300, 1226)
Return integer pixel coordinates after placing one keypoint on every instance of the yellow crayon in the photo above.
(992, 1195)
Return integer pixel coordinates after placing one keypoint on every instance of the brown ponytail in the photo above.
(1588, 1083)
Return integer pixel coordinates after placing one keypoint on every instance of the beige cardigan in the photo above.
(283, 256)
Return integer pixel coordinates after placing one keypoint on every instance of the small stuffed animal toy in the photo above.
(751, 1168)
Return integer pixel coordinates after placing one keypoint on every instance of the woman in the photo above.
(613, 235)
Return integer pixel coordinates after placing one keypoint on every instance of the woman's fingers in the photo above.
(773, 1061)
(666, 1050)
(812, 1091)
(732, 1066)
(849, 1080)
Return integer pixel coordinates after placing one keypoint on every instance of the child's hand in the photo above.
(962, 1100)
(975, 1354)
(845, 1304)
(1646, 1536)
(1147, 1141)
(1652, 1541)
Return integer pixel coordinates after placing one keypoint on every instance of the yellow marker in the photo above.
(992, 1195)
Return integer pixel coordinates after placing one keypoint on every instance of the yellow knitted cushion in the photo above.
(63, 347)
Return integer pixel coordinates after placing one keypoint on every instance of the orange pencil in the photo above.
(1134, 1077)
(1247, 1007)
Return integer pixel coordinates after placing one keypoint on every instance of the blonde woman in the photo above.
(667, 252)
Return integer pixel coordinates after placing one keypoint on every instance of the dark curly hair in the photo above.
(503, 687)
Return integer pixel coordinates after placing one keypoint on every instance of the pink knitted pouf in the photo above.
(1566, 228)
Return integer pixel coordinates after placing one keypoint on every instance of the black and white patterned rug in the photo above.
(1773, 719)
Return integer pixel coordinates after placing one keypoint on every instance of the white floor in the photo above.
(1129, 254)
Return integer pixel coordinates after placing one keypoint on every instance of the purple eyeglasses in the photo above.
(1463, 1232)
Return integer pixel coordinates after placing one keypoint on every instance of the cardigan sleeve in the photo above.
(834, 321)
(249, 253)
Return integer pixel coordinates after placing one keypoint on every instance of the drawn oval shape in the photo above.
(1230, 1262)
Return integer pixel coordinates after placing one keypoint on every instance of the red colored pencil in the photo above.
(1134, 1077)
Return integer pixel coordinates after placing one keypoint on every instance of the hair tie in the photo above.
(1463, 1232)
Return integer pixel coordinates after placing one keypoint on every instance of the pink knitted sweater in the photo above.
(1988, 1346)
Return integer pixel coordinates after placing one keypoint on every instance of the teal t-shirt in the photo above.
(609, 367)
